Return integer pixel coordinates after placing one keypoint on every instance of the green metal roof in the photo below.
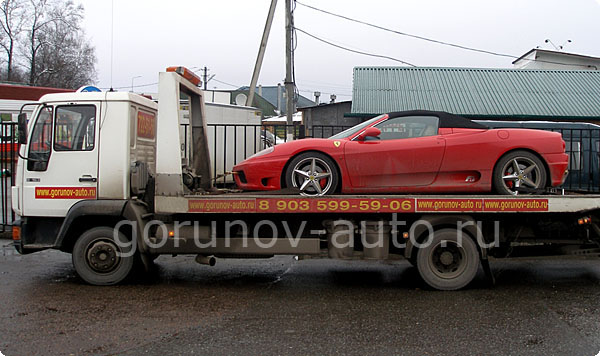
(508, 93)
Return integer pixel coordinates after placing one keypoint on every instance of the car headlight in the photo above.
(262, 153)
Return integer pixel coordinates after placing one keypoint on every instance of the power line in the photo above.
(404, 33)
(322, 92)
(473, 49)
(231, 85)
(328, 85)
(353, 50)
(135, 86)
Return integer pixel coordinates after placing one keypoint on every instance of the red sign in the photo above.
(65, 192)
(469, 205)
(365, 205)
(335, 205)
(222, 206)
(146, 125)
(449, 205)
(307, 205)
(515, 205)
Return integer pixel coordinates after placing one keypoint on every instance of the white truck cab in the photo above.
(82, 146)
(89, 157)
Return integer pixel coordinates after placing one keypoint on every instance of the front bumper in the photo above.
(260, 174)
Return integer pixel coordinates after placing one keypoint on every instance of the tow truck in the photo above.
(100, 175)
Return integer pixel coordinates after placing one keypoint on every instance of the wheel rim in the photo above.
(102, 255)
(447, 260)
(313, 176)
(521, 172)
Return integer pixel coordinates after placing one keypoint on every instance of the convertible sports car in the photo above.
(411, 152)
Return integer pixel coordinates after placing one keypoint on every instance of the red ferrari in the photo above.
(412, 152)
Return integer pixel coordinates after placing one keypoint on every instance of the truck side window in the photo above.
(75, 128)
(41, 141)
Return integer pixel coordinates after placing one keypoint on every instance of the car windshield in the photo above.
(351, 131)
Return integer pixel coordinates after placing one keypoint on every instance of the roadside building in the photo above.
(275, 95)
(488, 94)
(328, 119)
(12, 98)
(538, 58)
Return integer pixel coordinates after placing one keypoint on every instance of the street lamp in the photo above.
(137, 76)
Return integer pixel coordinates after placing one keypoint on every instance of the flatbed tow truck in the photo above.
(101, 176)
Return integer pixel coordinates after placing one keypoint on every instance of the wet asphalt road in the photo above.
(282, 306)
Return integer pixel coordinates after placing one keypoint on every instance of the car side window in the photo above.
(408, 127)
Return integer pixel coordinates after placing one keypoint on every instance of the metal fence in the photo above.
(8, 158)
(231, 144)
(583, 147)
(324, 131)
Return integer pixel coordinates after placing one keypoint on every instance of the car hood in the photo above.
(291, 148)
(306, 144)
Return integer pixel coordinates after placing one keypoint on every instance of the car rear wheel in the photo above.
(518, 169)
(313, 173)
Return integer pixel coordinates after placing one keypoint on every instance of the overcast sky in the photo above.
(224, 35)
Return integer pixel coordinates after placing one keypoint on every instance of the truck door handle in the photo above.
(88, 179)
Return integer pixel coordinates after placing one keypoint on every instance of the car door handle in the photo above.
(88, 179)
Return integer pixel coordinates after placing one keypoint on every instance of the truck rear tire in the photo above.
(99, 260)
(446, 263)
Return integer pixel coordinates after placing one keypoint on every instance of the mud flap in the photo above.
(137, 212)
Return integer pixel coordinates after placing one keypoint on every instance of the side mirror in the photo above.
(22, 127)
(369, 132)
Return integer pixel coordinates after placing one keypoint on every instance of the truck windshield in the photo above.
(351, 131)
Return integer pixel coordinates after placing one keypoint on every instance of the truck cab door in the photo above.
(62, 159)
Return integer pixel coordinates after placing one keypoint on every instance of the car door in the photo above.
(62, 165)
(407, 153)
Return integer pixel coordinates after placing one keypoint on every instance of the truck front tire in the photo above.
(100, 260)
(447, 263)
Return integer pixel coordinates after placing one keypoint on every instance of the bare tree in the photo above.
(67, 60)
(12, 13)
(57, 52)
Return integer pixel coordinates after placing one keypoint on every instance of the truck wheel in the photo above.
(446, 263)
(99, 260)
(518, 169)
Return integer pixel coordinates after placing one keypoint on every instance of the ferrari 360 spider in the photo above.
(412, 152)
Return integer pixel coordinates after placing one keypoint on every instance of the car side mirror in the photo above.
(22, 127)
(369, 132)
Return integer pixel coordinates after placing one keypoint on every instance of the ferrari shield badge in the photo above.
(336, 143)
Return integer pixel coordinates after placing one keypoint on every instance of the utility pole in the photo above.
(289, 68)
(205, 77)
(261, 53)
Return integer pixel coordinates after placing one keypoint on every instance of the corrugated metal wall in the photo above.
(478, 92)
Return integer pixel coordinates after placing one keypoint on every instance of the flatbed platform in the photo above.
(288, 203)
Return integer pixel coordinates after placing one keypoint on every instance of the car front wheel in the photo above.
(313, 173)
